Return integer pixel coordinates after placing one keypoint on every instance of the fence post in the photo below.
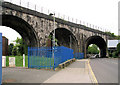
(35, 7)
(28, 56)
(54, 56)
(20, 2)
(23, 60)
(0, 58)
(28, 5)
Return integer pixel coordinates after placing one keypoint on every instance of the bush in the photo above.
(115, 54)
(110, 54)
(118, 48)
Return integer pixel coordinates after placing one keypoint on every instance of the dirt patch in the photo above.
(8, 81)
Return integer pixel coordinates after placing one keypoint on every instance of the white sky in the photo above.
(102, 13)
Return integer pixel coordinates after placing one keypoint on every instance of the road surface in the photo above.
(105, 69)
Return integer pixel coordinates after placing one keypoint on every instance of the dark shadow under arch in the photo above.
(22, 27)
(100, 42)
(66, 38)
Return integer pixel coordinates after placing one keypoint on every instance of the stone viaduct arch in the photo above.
(66, 38)
(100, 42)
(22, 27)
(36, 27)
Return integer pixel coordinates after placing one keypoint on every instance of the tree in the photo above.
(111, 34)
(10, 48)
(118, 47)
(21, 46)
(14, 51)
(50, 43)
(93, 49)
(118, 37)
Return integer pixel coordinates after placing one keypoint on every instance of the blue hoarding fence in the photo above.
(0, 58)
(78, 55)
(47, 57)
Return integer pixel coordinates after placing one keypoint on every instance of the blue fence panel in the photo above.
(47, 57)
(0, 58)
(62, 54)
(79, 55)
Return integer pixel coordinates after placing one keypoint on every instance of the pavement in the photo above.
(77, 72)
(105, 69)
(24, 75)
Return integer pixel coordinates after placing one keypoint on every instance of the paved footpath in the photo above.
(77, 72)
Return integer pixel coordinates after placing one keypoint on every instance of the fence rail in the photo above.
(46, 57)
(44, 10)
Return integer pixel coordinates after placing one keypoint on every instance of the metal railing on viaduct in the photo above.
(44, 10)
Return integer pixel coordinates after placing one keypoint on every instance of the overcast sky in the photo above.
(101, 13)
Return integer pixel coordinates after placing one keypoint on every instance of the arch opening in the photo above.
(93, 51)
(65, 38)
(22, 27)
(99, 41)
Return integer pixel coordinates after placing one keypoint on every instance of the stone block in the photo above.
(11, 61)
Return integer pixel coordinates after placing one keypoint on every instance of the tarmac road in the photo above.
(105, 69)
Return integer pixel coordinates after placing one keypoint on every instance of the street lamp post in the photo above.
(70, 42)
(53, 32)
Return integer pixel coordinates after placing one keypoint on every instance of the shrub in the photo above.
(115, 54)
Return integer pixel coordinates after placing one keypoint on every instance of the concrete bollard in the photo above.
(23, 60)
(3, 61)
(11, 61)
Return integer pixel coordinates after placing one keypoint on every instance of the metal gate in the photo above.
(0, 58)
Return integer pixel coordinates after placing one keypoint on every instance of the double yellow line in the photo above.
(93, 78)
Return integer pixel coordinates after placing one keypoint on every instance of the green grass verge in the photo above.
(35, 60)
(18, 61)
(41, 61)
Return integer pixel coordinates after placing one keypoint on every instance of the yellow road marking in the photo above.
(93, 76)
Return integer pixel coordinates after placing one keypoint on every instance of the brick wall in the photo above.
(4, 46)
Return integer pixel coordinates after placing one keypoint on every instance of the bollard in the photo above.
(3, 61)
(23, 60)
(11, 61)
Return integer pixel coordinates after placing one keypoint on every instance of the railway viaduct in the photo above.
(35, 28)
